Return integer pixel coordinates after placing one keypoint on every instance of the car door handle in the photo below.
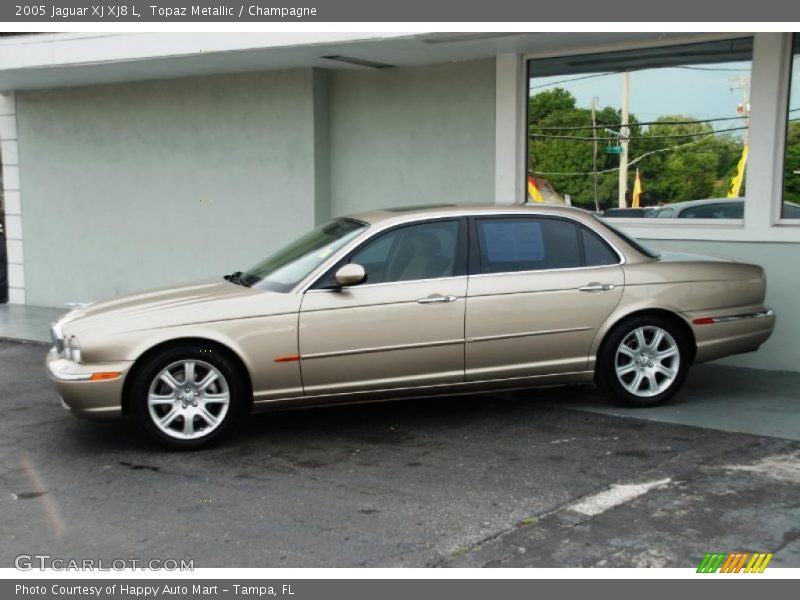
(597, 287)
(433, 298)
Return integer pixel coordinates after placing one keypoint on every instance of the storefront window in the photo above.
(644, 129)
(791, 163)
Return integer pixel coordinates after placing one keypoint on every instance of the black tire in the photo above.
(610, 383)
(202, 356)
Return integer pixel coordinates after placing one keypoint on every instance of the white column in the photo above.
(769, 90)
(510, 126)
(12, 201)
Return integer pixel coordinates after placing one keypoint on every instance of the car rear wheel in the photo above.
(644, 361)
(186, 397)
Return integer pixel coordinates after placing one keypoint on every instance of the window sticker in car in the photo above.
(513, 242)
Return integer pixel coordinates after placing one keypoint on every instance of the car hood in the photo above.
(197, 302)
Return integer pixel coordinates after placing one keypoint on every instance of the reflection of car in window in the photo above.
(628, 213)
(714, 209)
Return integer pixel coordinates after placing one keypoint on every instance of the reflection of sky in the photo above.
(702, 91)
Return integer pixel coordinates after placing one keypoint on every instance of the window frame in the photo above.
(629, 51)
(475, 254)
(793, 38)
(762, 219)
(459, 270)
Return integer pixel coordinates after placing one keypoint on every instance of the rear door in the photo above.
(539, 289)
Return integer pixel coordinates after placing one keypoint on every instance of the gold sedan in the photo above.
(403, 303)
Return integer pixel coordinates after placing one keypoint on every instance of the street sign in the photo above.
(613, 150)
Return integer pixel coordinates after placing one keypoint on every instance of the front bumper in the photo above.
(98, 399)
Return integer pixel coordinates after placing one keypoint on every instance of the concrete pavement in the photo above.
(508, 480)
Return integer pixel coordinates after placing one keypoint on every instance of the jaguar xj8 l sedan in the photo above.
(407, 303)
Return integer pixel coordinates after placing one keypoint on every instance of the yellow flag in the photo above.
(736, 182)
(533, 191)
(637, 190)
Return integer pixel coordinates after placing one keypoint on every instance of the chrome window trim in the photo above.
(566, 269)
(320, 273)
(386, 283)
(622, 258)
(373, 230)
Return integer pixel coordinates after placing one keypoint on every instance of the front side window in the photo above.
(648, 127)
(791, 163)
(420, 251)
(287, 267)
(527, 244)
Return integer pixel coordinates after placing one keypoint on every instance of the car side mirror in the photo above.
(351, 274)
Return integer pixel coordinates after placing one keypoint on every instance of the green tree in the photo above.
(683, 161)
(791, 179)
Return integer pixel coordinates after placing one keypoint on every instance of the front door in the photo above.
(402, 327)
(542, 289)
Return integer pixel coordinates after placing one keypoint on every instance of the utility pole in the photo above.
(742, 82)
(594, 155)
(624, 134)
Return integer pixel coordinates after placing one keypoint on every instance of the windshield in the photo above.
(283, 270)
(634, 243)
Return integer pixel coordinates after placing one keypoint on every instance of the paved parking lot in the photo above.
(525, 479)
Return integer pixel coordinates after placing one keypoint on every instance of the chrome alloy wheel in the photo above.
(647, 361)
(188, 399)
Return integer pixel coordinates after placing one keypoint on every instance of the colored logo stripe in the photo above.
(734, 562)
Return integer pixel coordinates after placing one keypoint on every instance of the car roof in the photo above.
(388, 216)
(691, 203)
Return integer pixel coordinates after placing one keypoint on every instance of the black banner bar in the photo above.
(347, 589)
(607, 11)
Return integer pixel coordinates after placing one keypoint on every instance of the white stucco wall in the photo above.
(137, 185)
(412, 136)
(130, 186)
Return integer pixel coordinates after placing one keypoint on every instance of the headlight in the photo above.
(58, 339)
(73, 350)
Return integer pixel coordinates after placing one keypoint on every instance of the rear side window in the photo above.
(718, 210)
(527, 244)
(596, 251)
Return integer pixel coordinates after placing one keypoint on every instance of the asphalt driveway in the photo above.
(506, 480)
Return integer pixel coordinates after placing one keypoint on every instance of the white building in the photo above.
(137, 160)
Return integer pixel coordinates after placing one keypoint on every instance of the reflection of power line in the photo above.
(552, 83)
(735, 70)
(574, 127)
(578, 138)
(631, 163)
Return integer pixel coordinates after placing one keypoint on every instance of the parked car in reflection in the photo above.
(628, 213)
(714, 209)
(403, 303)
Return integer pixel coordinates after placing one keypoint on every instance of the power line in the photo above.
(713, 69)
(574, 127)
(552, 83)
(577, 138)
(631, 163)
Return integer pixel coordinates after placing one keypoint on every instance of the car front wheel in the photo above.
(644, 362)
(186, 397)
